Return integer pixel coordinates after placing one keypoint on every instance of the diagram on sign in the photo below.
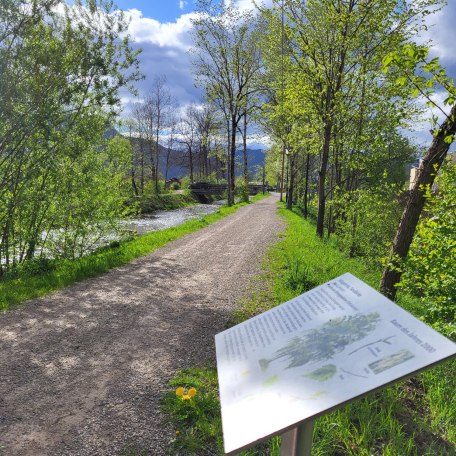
(323, 343)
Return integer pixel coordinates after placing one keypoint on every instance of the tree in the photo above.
(207, 123)
(419, 76)
(333, 89)
(430, 268)
(170, 142)
(226, 63)
(160, 102)
(60, 73)
(188, 138)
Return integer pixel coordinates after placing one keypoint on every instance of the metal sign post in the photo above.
(298, 441)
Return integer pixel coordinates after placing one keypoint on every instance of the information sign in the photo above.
(315, 353)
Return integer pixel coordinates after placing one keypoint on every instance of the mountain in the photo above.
(255, 158)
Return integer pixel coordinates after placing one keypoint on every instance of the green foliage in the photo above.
(60, 77)
(430, 268)
(90, 199)
(421, 76)
(241, 191)
(370, 218)
(154, 202)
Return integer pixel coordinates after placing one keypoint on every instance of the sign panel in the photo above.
(314, 353)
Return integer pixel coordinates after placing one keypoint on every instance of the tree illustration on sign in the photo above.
(323, 343)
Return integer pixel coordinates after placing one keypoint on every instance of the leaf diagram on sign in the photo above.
(322, 343)
(323, 373)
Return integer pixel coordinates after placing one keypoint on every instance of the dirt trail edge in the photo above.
(82, 370)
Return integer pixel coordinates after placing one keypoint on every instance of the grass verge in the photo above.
(59, 274)
(414, 418)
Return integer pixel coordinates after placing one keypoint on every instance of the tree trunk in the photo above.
(231, 170)
(246, 168)
(264, 176)
(190, 160)
(290, 191)
(330, 224)
(168, 153)
(282, 174)
(306, 187)
(425, 177)
(133, 179)
(157, 151)
(322, 179)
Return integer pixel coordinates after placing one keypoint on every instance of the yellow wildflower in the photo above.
(192, 392)
(184, 394)
(180, 391)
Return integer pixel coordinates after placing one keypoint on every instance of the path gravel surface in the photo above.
(82, 371)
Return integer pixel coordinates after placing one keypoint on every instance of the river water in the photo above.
(160, 220)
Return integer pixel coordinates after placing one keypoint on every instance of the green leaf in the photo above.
(401, 81)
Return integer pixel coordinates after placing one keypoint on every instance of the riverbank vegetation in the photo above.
(413, 418)
(166, 201)
(62, 182)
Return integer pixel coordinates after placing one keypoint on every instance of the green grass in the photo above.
(414, 418)
(48, 276)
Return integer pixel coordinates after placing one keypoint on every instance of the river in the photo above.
(160, 220)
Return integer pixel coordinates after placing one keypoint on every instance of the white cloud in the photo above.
(165, 49)
(182, 4)
(442, 34)
(169, 34)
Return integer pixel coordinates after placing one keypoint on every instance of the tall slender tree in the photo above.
(226, 62)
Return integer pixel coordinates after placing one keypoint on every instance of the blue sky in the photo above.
(162, 28)
(162, 10)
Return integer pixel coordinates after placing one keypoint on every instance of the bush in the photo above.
(241, 190)
(368, 222)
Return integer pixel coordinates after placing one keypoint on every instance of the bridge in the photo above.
(204, 191)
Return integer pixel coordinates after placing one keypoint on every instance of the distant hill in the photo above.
(255, 161)
(177, 166)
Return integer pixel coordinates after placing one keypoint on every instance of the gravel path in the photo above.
(82, 371)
